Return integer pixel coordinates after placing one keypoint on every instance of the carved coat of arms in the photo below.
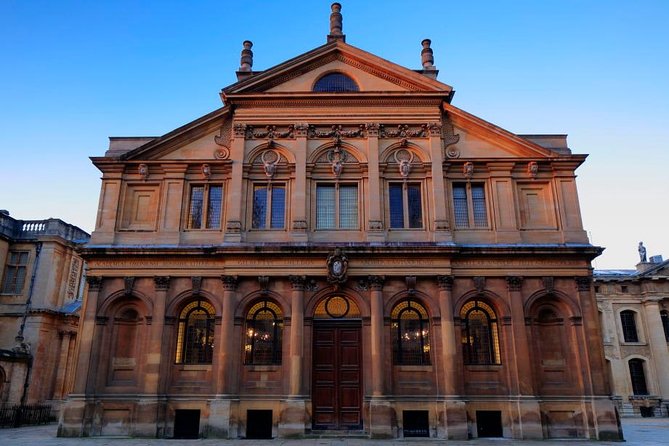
(337, 267)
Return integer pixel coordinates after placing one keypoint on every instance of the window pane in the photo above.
(278, 206)
(214, 207)
(415, 206)
(325, 207)
(396, 206)
(259, 216)
(478, 349)
(348, 207)
(629, 326)
(460, 206)
(665, 324)
(478, 203)
(195, 211)
(638, 377)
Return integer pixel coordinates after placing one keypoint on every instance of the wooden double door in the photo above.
(337, 375)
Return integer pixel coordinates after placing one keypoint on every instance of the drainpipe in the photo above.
(19, 338)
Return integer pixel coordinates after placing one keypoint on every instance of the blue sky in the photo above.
(75, 72)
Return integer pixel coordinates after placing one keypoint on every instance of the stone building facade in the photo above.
(634, 312)
(338, 248)
(40, 296)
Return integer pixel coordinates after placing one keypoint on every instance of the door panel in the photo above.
(337, 377)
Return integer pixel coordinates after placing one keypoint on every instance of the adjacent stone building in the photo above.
(634, 311)
(40, 297)
(338, 248)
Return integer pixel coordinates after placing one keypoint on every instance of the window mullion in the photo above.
(405, 204)
(268, 206)
(470, 205)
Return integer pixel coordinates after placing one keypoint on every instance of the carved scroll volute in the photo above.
(223, 140)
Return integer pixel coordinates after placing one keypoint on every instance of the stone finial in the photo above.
(336, 24)
(247, 56)
(427, 55)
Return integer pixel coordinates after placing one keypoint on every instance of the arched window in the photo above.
(664, 315)
(480, 339)
(628, 321)
(638, 377)
(335, 83)
(411, 334)
(195, 338)
(264, 326)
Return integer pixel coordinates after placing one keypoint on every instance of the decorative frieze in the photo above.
(337, 131)
(404, 131)
(270, 132)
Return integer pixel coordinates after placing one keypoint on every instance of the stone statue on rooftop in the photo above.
(642, 253)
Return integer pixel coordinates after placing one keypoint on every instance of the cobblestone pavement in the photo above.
(637, 431)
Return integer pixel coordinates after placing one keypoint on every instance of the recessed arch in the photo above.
(345, 292)
(321, 151)
(256, 152)
(420, 155)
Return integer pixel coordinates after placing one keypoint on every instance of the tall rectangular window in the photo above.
(405, 205)
(337, 206)
(15, 272)
(205, 206)
(269, 206)
(628, 322)
(469, 205)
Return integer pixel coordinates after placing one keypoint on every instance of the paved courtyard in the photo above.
(638, 432)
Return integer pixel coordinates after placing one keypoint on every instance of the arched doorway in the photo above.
(337, 364)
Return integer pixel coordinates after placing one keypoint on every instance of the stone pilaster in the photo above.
(87, 334)
(153, 357)
(380, 410)
(658, 346)
(454, 426)
(226, 351)
(60, 390)
(529, 414)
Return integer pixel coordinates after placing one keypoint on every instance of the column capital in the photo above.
(514, 283)
(376, 282)
(372, 129)
(583, 283)
(301, 129)
(94, 283)
(298, 282)
(161, 283)
(445, 282)
(229, 282)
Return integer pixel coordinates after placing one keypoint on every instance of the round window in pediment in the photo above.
(335, 83)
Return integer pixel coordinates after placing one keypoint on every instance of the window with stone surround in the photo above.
(480, 337)
(269, 206)
(405, 205)
(410, 327)
(15, 272)
(469, 205)
(628, 322)
(664, 315)
(195, 336)
(264, 330)
(337, 206)
(205, 206)
(638, 376)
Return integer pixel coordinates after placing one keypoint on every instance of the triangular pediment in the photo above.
(479, 139)
(199, 139)
(370, 72)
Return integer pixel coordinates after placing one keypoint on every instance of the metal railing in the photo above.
(17, 415)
